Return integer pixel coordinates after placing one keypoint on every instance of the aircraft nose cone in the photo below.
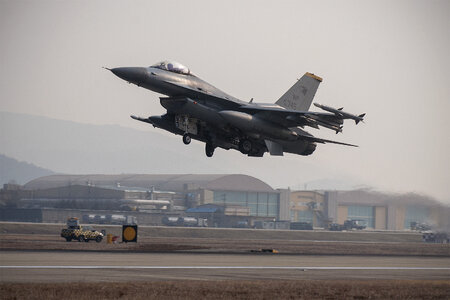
(131, 74)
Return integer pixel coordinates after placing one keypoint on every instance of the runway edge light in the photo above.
(129, 233)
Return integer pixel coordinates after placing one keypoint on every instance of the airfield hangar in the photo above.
(151, 197)
(225, 200)
(376, 210)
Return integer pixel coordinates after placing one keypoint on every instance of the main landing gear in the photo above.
(209, 149)
(186, 139)
(245, 146)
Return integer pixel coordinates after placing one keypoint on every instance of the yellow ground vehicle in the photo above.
(75, 231)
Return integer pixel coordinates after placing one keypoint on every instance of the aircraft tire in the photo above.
(245, 146)
(186, 139)
(209, 150)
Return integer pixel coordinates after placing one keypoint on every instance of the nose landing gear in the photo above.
(186, 139)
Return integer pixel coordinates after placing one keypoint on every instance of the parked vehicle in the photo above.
(348, 225)
(75, 231)
(301, 226)
(436, 237)
(185, 221)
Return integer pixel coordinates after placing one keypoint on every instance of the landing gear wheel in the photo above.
(81, 238)
(68, 239)
(186, 139)
(98, 239)
(245, 146)
(209, 150)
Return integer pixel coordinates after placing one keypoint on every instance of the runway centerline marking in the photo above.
(225, 267)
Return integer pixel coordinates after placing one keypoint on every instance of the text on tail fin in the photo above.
(301, 94)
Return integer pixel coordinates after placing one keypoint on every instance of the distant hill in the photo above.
(14, 171)
(69, 147)
(75, 148)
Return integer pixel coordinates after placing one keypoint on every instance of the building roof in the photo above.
(374, 198)
(202, 210)
(162, 182)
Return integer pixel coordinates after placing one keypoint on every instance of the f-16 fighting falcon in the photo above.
(200, 111)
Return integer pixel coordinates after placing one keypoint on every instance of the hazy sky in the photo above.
(389, 59)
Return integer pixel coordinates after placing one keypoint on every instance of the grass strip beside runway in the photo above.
(268, 289)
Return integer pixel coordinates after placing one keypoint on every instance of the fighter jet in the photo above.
(197, 110)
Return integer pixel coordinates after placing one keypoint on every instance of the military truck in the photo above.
(348, 225)
(301, 226)
(75, 231)
(436, 237)
(354, 224)
(422, 227)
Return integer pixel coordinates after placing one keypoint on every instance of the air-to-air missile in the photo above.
(341, 113)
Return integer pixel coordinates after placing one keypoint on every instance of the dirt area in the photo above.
(227, 233)
(28, 236)
(273, 289)
(162, 244)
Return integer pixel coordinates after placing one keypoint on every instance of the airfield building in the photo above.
(241, 195)
(376, 210)
(227, 200)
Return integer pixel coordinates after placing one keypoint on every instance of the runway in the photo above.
(66, 266)
(220, 267)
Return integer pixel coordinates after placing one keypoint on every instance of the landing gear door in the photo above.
(188, 125)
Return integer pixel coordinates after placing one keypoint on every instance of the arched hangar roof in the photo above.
(161, 182)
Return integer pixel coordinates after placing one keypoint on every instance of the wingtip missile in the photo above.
(340, 113)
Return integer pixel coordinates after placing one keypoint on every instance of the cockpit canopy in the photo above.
(172, 66)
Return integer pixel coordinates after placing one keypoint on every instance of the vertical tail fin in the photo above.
(301, 94)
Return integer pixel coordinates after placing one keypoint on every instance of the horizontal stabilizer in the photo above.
(323, 141)
(274, 148)
(307, 136)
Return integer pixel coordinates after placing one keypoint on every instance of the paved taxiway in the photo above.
(55, 266)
